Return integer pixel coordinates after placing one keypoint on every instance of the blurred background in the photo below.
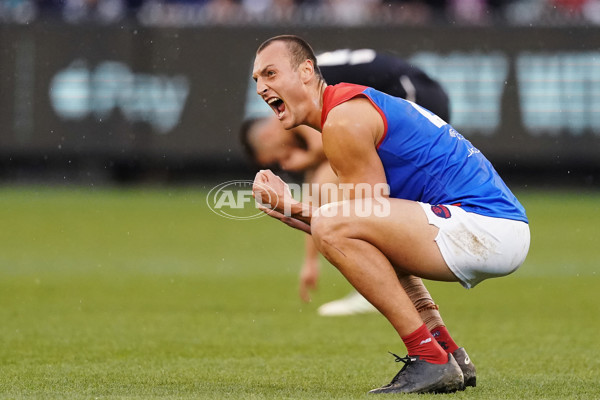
(118, 116)
(154, 91)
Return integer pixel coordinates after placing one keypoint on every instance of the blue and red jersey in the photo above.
(427, 160)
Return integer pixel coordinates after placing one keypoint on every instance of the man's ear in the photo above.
(307, 71)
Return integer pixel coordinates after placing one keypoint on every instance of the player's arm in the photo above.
(310, 271)
(307, 152)
(314, 142)
(320, 178)
(275, 199)
(350, 138)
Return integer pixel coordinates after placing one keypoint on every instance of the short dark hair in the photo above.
(250, 151)
(299, 49)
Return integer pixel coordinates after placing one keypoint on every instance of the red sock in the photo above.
(421, 343)
(443, 337)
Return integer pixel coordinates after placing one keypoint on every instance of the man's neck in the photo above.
(314, 117)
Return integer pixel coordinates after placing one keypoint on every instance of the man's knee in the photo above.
(327, 227)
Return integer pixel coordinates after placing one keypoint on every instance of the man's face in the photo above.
(274, 145)
(279, 84)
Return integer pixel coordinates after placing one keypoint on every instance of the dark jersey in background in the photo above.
(386, 73)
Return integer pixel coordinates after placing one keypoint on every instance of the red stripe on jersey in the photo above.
(337, 94)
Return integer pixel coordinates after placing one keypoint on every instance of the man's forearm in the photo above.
(302, 212)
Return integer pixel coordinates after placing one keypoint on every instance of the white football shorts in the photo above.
(476, 247)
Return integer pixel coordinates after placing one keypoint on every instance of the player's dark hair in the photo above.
(250, 151)
(299, 49)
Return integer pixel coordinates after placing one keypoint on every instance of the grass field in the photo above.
(144, 293)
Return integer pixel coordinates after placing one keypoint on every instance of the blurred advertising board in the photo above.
(527, 97)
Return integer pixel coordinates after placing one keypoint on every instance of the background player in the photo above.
(300, 149)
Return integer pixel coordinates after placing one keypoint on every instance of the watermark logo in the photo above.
(234, 200)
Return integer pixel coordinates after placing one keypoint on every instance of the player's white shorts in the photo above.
(477, 247)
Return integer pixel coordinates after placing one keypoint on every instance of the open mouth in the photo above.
(277, 105)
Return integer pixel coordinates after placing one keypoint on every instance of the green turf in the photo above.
(144, 293)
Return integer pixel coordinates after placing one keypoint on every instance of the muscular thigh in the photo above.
(404, 235)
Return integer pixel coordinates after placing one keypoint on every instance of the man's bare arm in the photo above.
(350, 138)
(275, 199)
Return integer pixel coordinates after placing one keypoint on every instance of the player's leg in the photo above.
(402, 239)
(429, 312)
(356, 246)
(355, 303)
(475, 247)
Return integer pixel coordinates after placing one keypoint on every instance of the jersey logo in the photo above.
(441, 211)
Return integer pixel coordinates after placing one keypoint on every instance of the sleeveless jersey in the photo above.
(427, 160)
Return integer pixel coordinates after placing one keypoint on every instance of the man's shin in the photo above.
(419, 295)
